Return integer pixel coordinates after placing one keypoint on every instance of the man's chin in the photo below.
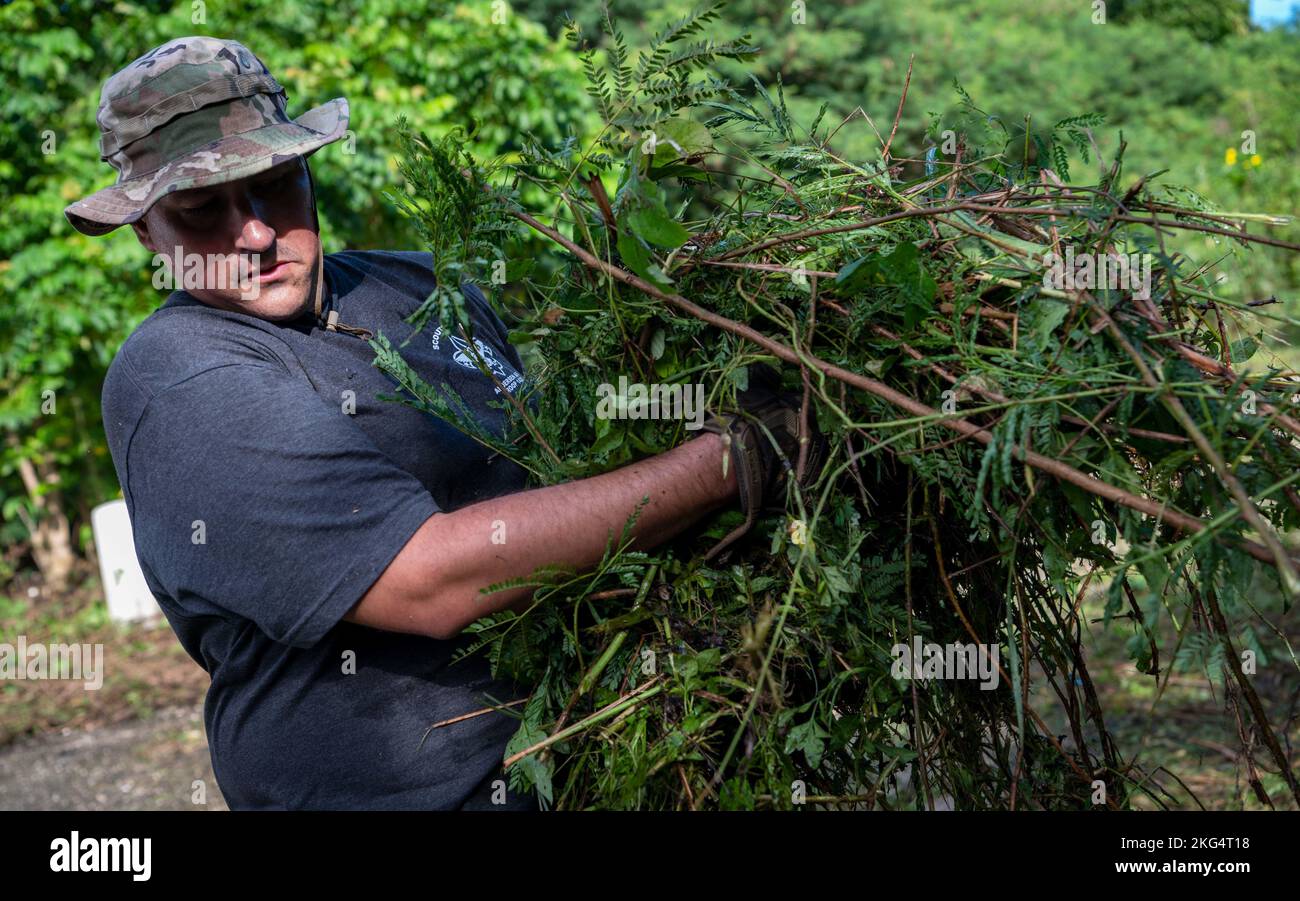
(274, 303)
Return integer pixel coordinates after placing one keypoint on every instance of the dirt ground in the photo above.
(136, 743)
(157, 763)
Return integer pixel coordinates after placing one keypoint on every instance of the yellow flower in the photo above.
(1230, 156)
(1255, 159)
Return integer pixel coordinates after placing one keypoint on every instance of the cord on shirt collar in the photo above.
(331, 321)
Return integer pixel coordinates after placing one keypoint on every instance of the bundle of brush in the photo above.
(1008, 438)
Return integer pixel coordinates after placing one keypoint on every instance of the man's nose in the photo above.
(255, 233)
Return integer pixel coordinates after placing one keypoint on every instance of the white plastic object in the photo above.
(128, 595)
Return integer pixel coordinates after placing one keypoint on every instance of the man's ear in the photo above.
(141, 228)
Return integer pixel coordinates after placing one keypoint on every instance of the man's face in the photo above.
(256, 238)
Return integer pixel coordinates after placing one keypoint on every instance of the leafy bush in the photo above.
(1003, 446)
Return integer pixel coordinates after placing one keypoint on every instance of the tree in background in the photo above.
(1207, 20)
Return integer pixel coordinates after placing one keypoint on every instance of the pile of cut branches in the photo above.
(1014, 443)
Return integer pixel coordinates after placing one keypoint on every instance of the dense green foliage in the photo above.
(1181, 79)
(766, 677)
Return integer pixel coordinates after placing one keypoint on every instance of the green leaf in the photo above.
(644, 212)
(1244, 348)
(857, 275)
(680, 138)
(809, 738)
(654, 226)
(610, 441)
(837, 583)
(1045, 316)
(902, 269)
(637, 257)
(657, 344)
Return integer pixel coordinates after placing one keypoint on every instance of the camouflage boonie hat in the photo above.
(195, 112)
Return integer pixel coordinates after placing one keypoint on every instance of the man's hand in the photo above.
(432, 585)
(763, 433)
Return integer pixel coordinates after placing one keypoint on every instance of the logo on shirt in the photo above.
(499, 368)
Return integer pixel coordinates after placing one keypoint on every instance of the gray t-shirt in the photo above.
(266, 499)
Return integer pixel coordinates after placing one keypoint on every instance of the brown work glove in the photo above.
(763, 413)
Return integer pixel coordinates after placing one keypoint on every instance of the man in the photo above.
(316, 550)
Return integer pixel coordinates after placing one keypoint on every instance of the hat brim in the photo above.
(225, 160)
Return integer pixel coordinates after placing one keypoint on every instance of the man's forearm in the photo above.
(570, 524)
(456, 554)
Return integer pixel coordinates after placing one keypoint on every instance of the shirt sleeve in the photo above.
(254, 498)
